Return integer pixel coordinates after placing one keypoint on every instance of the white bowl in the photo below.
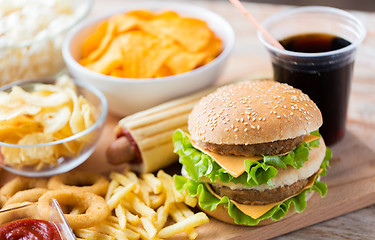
(128, 95)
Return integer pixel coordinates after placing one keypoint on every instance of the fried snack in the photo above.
(44, 113)
(30, 195)
(141, 207)
(20, 184)
(188, 223)
(81, 181)
(150, 133)
(144, 44)
(96, 209)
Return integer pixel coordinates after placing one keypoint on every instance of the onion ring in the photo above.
(82, 181)
(19, 184)
(30, 195)
(96, 208)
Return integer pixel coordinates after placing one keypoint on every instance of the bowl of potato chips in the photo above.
(149, 53)
(49, 126)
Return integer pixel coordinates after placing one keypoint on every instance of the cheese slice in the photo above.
(310, 138)
(233, 164)
(256, 211)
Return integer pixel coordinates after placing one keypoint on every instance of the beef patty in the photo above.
(269, 148)
(254, 197)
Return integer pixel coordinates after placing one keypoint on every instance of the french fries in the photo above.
(144, 207)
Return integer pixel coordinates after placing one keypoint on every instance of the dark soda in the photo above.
(327, 86)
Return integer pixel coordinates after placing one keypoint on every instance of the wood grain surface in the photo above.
(351, 179)
(250, 58)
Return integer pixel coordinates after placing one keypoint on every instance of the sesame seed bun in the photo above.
(253, 112)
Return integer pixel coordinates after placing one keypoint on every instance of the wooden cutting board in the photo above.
(351, 186)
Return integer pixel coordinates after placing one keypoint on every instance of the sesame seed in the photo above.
(291, 113)
(258, 127)
(278, 116)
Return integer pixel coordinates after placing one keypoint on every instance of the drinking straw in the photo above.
(252, 19)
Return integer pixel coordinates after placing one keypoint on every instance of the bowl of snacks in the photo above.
(149, 53)
(49, 126)
(32, 49)
(22, 221)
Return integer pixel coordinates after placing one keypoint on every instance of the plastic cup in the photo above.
(324, 76)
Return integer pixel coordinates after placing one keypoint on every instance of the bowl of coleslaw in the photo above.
(32, 33)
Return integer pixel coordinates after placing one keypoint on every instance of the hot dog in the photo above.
(144, 139)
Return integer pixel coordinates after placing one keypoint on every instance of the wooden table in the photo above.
(250, 58)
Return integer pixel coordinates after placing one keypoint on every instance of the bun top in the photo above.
(253, 112)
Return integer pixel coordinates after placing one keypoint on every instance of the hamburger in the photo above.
(253, 153)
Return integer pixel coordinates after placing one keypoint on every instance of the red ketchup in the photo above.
(29, 229)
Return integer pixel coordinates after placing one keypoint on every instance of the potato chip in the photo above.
(192, 34)
(93, 41)
(104, 43)
(143, 44)
(35, 99)
(87, 111)
(12, 130)
(44, 114)
(33, 155)
(54, 120)
(185, 61)
(7, 114)
(111, 59)
(76, 119)
(136, 63)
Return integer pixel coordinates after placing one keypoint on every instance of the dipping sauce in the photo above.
(30, 229)
(326, 82)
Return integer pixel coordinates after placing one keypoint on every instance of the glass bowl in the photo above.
(29, 211)
(32, 33)
(65, 162)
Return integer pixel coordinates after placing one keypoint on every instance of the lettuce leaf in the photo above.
(199, 164)
(209, 202)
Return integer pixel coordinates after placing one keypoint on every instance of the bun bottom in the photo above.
(222, 214)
